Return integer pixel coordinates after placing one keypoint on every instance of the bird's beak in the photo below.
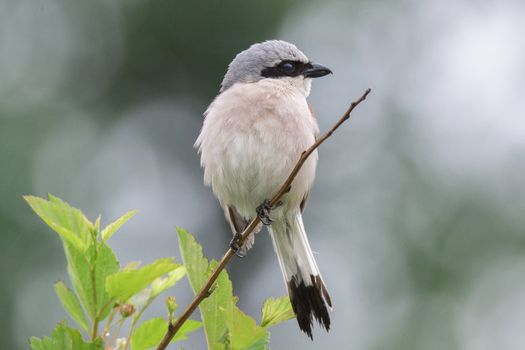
(316, 71)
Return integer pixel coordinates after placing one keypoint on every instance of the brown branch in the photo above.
(205, 290)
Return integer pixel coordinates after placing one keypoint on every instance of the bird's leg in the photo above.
(234, 245)
(263, 211)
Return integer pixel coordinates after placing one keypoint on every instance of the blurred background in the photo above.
(418, 211)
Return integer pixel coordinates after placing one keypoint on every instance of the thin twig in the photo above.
(94, 332)
(135, 319)
(109, 320)
(205, 290)
(115, 334)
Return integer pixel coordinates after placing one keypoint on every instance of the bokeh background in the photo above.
(418, 211)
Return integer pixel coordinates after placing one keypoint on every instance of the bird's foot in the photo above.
(263, 211)
(234, 245)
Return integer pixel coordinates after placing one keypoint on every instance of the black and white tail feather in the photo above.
(308, 295)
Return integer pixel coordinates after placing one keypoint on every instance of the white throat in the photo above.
(300, 83)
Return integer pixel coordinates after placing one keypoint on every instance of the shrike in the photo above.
(253, 134)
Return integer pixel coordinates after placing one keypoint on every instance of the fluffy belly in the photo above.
(256, 164)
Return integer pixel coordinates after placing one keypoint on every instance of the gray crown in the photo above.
(247, 66)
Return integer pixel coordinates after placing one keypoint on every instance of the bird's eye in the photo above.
(287, 67)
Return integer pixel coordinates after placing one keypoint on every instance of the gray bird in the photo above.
(253, 134)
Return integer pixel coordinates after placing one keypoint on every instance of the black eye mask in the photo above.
(286, 69)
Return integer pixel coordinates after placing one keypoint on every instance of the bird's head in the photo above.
(273, 59)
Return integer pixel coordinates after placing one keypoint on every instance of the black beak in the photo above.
(316, 71)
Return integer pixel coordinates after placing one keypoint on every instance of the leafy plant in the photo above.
(101, 290)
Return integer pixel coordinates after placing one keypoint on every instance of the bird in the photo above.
(253, 133)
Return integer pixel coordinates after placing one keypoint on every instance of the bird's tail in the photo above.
(307, 291)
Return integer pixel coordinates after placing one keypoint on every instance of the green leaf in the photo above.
(114, 226)
(212, 308)
(198, 270)
(72, 226)
(65, 338)
(275, 311)
(194, 261)
(88, 272)
(186, 328)
(132, 265)
(79, 270)
(150, 333)
(106, 264)
(124, 284)
(71, 304)
(243, 332)
(226, 326)
(36, 343)
(161, 284)
(89, 261)
(171, 305)
(96, 225)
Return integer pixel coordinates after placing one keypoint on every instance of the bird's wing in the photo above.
(312, 111)
(237, 222)
(303, 202)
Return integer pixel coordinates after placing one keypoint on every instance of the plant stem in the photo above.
(93, 271)
(94, 333)
(116, 333)
(130, 333)
(107, 327)
(135, 320)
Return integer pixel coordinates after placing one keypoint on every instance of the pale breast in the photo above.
(252, 137)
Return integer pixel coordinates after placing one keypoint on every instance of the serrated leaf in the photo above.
(89, 262)
(194, 261)
(96, 227)
(106, 265)
(123, 285)
(243, 332)
(198, 270)
(212, 308)
(132, 265)
(36, 343)
(226, 326)
(149, 334)
(115, 225)
(275, 311)
(70, 223)
(65, 338)
(88, 272)
(161, 284)
(71, 304)
(79, 270)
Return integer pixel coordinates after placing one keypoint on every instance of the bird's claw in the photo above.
(234, 245)
(263, 212)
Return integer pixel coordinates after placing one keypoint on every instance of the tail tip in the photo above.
(309, 302)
